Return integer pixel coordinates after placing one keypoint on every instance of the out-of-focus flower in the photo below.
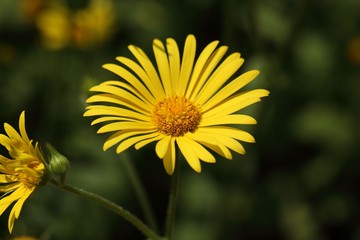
(55, 26)
(184, 102)
(20, 173)
(60, 26)
(94, 24)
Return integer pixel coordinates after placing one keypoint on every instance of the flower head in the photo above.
(60, 26)
(21, 172)
(188, 102)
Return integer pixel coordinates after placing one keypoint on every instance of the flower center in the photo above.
(31, 175)
(176, 116)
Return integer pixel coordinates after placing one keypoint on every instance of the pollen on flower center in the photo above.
(176, 116)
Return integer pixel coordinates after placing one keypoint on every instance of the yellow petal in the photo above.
(237, 102)
(210, 142)
(150, 71)
(28, 171)
(229, 132)
(4, 206)
(138, 87)
(140, 72)
(123, 97)
(9, 187)
(142, 143)
(200, 151)
(14, 196)
(120, 102)
(5, 141)
(227, 119)
(227, 68)
(189, 154)
(162, 146)
(12, 133)
(18, 205)
(15, 211)
(140, 91)
(199, 67)
(163, 65)
(96, 110)
(232, 144)
(5, 178)
(174, 62)
(109, 119)
(187, 63)
(208, 69)
(132, 140)
(170, 158)
(22, 127)
(230, 89)
(121, 135)
(117, 126)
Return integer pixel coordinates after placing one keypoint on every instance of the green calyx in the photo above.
(58, 164)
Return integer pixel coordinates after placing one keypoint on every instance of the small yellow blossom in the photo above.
(54, 26)
(94, 24)
(21, 172)
(61, 27)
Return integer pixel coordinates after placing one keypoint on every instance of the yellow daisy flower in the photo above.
(20, 173)
(186, 102)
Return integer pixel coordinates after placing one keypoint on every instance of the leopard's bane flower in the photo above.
(21, 172)
(188, 102)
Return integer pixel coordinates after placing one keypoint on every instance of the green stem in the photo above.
(112, 207)
(140, 193)
(171, 211)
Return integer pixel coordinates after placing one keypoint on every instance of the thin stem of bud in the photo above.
(136, 222)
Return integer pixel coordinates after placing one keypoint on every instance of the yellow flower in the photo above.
(94, 24)
(59, 26)
(190, 103)
(20, 173)
(55, 26)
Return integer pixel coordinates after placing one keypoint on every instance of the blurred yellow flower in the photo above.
(21, 172)
(188, 102)
(60, 26)
(94, 24)
(55, 26)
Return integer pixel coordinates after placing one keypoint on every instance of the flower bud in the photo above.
(58, 164)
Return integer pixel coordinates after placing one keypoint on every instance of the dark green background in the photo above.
(298, 182)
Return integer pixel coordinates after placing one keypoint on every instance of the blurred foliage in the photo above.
(298, 182)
